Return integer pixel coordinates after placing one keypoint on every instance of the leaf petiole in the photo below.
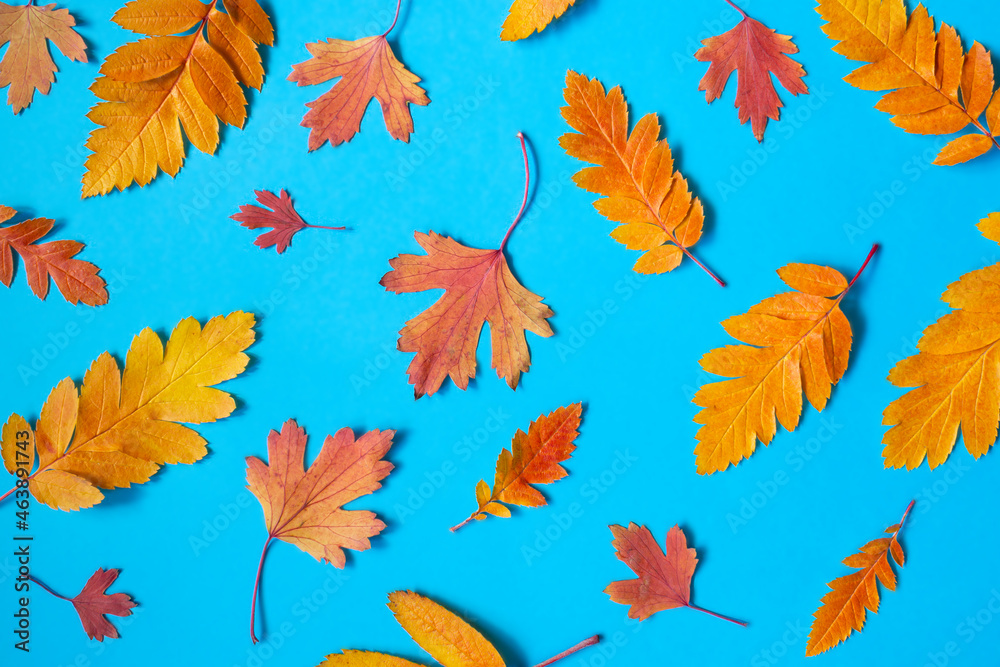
(568, 652)
(712, 613)
(524, 200)
(256, 588)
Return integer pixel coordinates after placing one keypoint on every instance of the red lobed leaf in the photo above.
(93, 605)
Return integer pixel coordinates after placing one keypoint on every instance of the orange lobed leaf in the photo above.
(156, 86)
(367, 68)
(842, 610)
(755, 52)
(277, 214)
(121, 426)
(27, 65)
(955, 376)
(93, 604)
(664, 578)
(76, 279)
(937, 88)
(305, 508)
(533, 458)
(635, 176)
(529, 16)
(795, 342)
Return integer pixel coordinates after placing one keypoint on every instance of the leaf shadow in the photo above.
(398, 442)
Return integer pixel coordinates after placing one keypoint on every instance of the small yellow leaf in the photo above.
(17, 445)
(446, 637)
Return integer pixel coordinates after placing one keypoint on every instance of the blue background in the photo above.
(326, 353)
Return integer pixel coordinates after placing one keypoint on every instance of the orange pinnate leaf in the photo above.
(529, 16)
(937, 88)
(121, 426)
(76, 279)
(27, 65)
(277, 214)
(795, 342)
(367, 68)
(842, 610)
(155, 87)
(955, 376)
(443, 635)
(755, 52)
(305, 507)
(533, 458)
(635, 176)
(664, 577)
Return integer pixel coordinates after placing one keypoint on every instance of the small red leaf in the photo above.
(92, 604)
(280, 217)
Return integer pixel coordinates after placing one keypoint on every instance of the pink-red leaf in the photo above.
(277, 214)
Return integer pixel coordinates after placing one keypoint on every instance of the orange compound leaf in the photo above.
(795, 342)
(479, 287)
(305, 508)
(635, 176)
(76, 279)
(367, 68)
(954, 379)
(936, 86)
(755, 52)
(842, 610)
(527, 17)
(121, 426)
(277, 214)
(664, 578)
(94, 605)
(159, 85)
(533, 458)
(443, 635)
(27, 65)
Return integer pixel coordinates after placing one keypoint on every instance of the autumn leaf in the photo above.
(94, 605)
(443, 635)
(755, 52)
(795, 342)
(367, 68)
(635, 176)
(305, 508)
(27, 65)
(277, 214)
(156, 86)
(76, 279)
(664, 578)
(533, 458)
(121, 426)
(529, 16)
(479, 287)
(955, 376)
(937, 88)
(842, 610)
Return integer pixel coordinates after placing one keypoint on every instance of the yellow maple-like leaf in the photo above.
(121, 426)
(154, 87)
(955, 376)
(529, 16)
(937, 88)
(795, 342)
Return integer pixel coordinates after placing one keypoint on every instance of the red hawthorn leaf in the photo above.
(279, 216)
(93, 605)
(76, 279)
(755, 52)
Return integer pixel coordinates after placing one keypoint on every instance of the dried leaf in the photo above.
(635, 176)
(27, 65)
(955, 375)
(367, 68)
(279, 216)
(529, 16)
(76, 279)
(154, 87)
(795, 342)
(842, 610)
(305, 508)
(533, 458)
(122, 426)
(17, 445)
(936, 87)
(755, 52)
(664, 578)
(93, 604)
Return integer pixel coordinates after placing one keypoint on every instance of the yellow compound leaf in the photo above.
(529, 16)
